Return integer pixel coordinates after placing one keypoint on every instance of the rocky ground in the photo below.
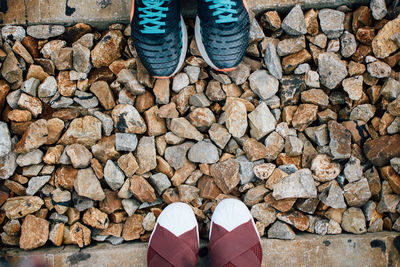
(305, 131)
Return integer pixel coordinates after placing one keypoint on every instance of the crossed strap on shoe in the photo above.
(171, 250)
(240, 247)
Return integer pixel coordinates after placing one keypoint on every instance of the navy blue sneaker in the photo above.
(222, 32)
(159, 35)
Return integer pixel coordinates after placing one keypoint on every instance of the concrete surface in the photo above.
(375, 249)
(101, 13)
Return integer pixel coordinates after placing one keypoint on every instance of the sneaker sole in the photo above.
(183, 51)
(202, 49)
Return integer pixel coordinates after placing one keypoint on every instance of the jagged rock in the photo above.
(297, 185)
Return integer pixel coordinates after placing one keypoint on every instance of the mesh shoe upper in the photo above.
(158, 39)
(224, 42)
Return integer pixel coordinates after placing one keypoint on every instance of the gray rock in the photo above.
(264, 213)
(379, 69)
(58, 218)
(188, 193)
(77, 76)
(246, 169)
(10, 70)
(354, 221)
(261, 120)
(219, 135)
(302, 69)
(181, 80)
(10, 33)
(81, 203)
(388, 203)
(45, 31)
(272, 61)
(297, 185)
(391, 89)
(395, 163)
(48, 88)
(130, 206)
(331, 22)
(291, 46)
(160, 182)
(30, 86)
(348, 44)
(354, 87)
(32, 170)
(274, 144)
(394, 127)
(86, 100)
(199, 100)
(288, 168)
(175, 155)
(331, 69)
(81, 58)
(13, 97)
(125, 141)
(8, 165)
(333, 197)
(5, 140)
(293, 146)
(127, 78)
(192, 72)
(378, 8)
(30, 158)
(35, 183)
(363, 112)
(281, 230)
(240, 74)
(369, 209)
(59, 101)
(113, 240)
(340, 140)
(203, 152)
(312, 79)
(294, 23)
(357, 193)
(353, 170)
(113, 175)
(107, 123)
(263, 84)
(283, 130)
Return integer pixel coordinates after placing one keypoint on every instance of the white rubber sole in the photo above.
(230, 213)
(183, 51)
(178, 218)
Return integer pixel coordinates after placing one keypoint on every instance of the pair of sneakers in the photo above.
(161, 39)
(234, 240)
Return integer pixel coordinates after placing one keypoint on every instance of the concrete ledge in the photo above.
(101, 13)
(373, 249)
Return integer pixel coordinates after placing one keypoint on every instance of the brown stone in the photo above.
(226, 175)
(85, 131)
(65, 177)
(55, 127)
(4, 89)
(361, 53)
(282, 205)
(290, 63)
(120, 64)
(111, 202)
(101, 74)
(95, 218)
(18, 115)
(254, 195)
(114, 229)
(133, 228)
(103, 93)
(383, 44)
(161, 91)
(56, 234)
(34, 137)
(66, 87)
(164, 167)
(34, 233)
(170, 195)
(15, 187)
(276, 176)
(168, 111)
(389, 174)
(66, 114)
(311, 20)
(144, 101)
(254, 150)
(37, 72)
(361, 17)
(80, 235)
(304, 116)
(182, 99)
(73, 215)
(128, 120)
(141, 189)
(183, 173)
(365, 35)
(340, 140)
(270, 20)
(201, 118)
(105, 149)
(33, 104)
(108, 49)
(128, 164)
(31, 44)
(155, 125)
(208, 188)
(295, 218)
(74, 33)
(97, 168)
(380, 150)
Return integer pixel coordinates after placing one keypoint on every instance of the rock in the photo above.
(295, 218)
(378, 9)
(254, 150)
(354, 87)
(48, 88)
(95, 218)
(35, 183)
(304, 116)
(81, 58)
(280, 230)
(128, 120)
(201, 118)
(324, 169)
(394, 107)
(175, 155)
(291, 46)
(263, 84)
(60, 200)
(34, 233)
(379, 69)
(79, 155)
(18, 207)
(30, 103)
(274, 144)
(297, 185)
(332, 196)
(354, 221)
(160, 182)
(141, 189)
(183, 173)
(363, 112)
(246, 168)
(312, 79)
(5, 140)
(214, 91)
(395, 163)
(262, 122)
(102, 91)
(105, 149)
(340, 140)
(357, 193)
(125, 142)
(30, 158)
(149, 221)
(254, 195)
(180, 81)
(10, 69)
(391, 89)
(348, 44)
(226, 175)
(86, 100)
(10, 33)
(188, 193)
(294, 23)
(331, 69)
(127, 78)
(146, 154)
(264, 171)
(113, 175)
(331, 22)
(219, 135)
(80, 234)
(380, 150)
(203, 152)
(182, 128)
(353, 170)
(290, 63)
(85, 131)
(108, 49)
(86, 184)
(133, 227)
(30, 86)
(293, 146)
(273, 62)
(130, 205)
(264, 213)
(107, 123)
(271, 20)
(383, 45)
(199, 100)
(45, 31)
